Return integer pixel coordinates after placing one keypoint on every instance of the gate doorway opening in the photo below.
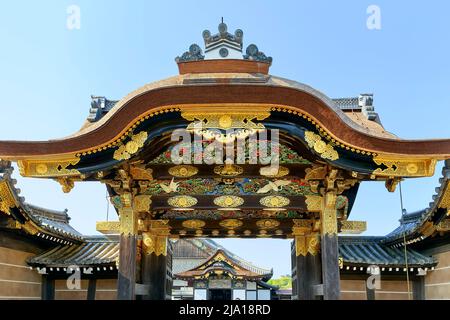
(220, 294)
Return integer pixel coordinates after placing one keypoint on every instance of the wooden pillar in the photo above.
(329, 248)
(92, 286)
(154, 276)
(306, 267)
(314, 277)
(419, 288)
(47, 288)
(126, 279)
(156, 273)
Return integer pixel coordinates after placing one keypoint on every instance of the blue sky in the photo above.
(48, 72)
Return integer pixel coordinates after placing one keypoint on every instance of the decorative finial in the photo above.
(223, 45)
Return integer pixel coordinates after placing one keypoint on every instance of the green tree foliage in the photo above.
(283, 282)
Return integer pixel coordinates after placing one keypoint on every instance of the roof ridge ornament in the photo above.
(253, 53)
(234, 40)
(194, 54)
(223, 45)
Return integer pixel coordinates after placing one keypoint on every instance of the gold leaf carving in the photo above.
(325, 150)
(314, 203)
(193, 224)
(225, 118)
(328, 215)
(156, 244)
(108, 227)
(316, 173)
(125, 151)
(274, 201)
(353, 227)
(66, 184)
(183, 171)
(182, 201)
(7, 201)
(48, 168)
(267, 224)
(274, 172)
(228, 170)
(307, 244)
(30, 227)
(444, 225)
(142, 203)
(404, 167)
(231, 223)
(139, 172)
(228, 201)
(301, 226)
(444, 202)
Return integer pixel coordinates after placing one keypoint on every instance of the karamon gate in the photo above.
(225, 98)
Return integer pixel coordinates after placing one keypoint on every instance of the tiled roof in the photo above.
(52, 224)
(103, 251)
(184, 264)
(246, 264)
(347, 103)
(365, 251)
(53, 221)
(410, 223)
(95, 251)
(99, 107)
(221, 260)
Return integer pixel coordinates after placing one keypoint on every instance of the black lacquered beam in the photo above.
(251, 202)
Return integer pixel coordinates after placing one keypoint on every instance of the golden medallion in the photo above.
(228, 170)
(274, 201)
(183, 171)
(182, 201)
(225, 121)
(193, 224)
(412, 168)
(267, 224)
(231, 223)
(228, 201)
(41, 168)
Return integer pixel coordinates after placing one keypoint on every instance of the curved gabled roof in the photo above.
(221, 261)
(237, 89)
(45, 223)
(210, 247)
